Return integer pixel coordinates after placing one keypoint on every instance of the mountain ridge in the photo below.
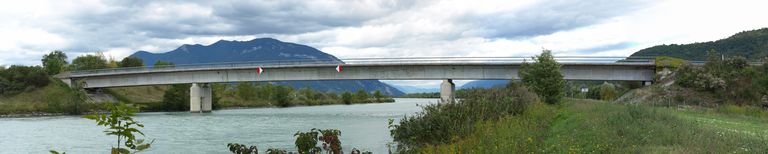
(264, 49)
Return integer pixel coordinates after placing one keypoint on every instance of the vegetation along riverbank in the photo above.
(33, 91)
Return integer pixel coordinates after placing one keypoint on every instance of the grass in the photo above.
(139, 94)
(53, 98)
(588, 126)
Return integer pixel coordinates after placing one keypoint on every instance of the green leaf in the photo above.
(143, 147)
(92, 117)
(122, 151)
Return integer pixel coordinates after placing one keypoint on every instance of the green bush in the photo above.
(441, 123)
(608, 91)
(281, 96)
(17, 79)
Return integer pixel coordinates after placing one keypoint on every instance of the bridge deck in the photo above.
(382, 69)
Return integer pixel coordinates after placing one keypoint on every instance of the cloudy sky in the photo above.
(371, 28)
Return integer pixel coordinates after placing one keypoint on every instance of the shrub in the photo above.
(306, 142)
(281, 96)
(608, 91)
(331, 142)
(242, 149)
(440, 123)
(346, 97)
(17, 79)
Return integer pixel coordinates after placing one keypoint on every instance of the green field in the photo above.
(589, 126)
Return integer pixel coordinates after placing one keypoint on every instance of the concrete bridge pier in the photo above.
(447, 90)
(200, 98)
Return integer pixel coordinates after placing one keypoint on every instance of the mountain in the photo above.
(484, 84)
(261, 49)
(752, 45)
(414, 89)
(264, 49)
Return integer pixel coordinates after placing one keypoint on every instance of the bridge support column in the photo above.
(447, 89)
(207, 99)
(200, 98)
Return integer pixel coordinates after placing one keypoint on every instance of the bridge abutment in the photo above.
(200, 98)
(447, 89)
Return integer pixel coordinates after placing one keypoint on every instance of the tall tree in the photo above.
(177, 98)
(543, 77)
(131, 62)
(89, 62)
(54, 62)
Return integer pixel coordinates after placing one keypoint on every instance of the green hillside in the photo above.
(750, 44)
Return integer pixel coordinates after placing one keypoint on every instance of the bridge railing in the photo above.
(408, 60)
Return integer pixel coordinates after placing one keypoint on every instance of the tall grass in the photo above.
(583, 126)
(53, 98)
(445, 123)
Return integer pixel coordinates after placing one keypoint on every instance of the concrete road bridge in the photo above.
(414, 68)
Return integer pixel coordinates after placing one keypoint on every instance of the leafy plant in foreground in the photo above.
(242, 149)
(331, 142)
(306, 141)
(120, 123)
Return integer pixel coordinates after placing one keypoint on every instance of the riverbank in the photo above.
(57, 100)
(589, 126)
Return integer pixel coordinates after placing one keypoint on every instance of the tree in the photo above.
(112, 63)
(176, 98)
(543, 77)
(120, 123)
(54, 62)
(160, 64)
(131, 61)
(246, 91)
(89, 62)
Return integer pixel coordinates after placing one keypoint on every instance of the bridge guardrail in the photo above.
(408, 60)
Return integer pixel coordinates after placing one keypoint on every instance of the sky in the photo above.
(371, 28)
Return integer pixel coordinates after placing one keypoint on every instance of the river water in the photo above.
(362, 126)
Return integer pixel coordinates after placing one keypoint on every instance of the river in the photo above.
(362, 126)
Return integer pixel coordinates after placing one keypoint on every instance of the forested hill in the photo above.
(750, 44)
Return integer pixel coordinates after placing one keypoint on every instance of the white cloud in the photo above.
(371, 28)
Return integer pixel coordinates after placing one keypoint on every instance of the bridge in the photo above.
(414, 68)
